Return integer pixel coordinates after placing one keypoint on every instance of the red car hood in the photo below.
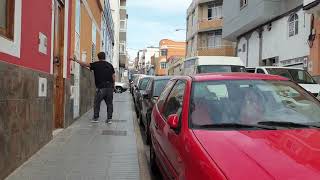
(278, 154)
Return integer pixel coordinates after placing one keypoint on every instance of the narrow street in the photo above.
(87, 151)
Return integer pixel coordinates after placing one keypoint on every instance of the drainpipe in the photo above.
(260, 30)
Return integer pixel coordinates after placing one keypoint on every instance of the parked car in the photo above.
(134, 81)
(298, 75)
(149, 98)
(235, 126)
(142, 85)
(121, 87)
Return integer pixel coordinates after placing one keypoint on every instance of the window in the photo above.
(260, 71)
(163, 65)
(144, 83)
(174, 102)
(293, 25)
(215, 39)
(250, 102)
(159, 85)
(7, 18)
(163, 52)
(243, 3)
(122, 47)
(244, 47)
(214, 11)
(164, 94)
(123, 25)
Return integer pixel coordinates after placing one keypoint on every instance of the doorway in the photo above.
(58, 90)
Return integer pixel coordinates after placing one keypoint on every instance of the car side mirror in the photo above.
(173, 121)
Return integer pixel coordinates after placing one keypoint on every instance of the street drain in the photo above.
(114, 133)
(119, 121)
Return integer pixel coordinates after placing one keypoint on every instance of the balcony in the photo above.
(210, 24)
(225, 50)
(123, 61)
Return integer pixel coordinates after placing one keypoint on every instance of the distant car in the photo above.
(121, 87)
(133, 82)
(149, 98)
(212, 64)
(235, 126)
(298, 75)
(142, 85)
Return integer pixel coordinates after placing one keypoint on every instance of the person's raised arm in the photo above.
(84, 64)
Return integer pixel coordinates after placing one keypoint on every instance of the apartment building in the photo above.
(204, 30)
(313, 7)
(120, 17)
(175, 65)
(148, 54)
(168, 48)
(123, 59)
(268, 32)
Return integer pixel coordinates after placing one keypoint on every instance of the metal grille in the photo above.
(114, 133)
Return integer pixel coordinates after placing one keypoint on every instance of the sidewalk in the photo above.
(87, 151)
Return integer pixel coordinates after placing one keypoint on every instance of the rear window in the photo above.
(143, 83)
(159, 85)
(220, 68)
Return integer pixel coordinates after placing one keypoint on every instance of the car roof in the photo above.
(162, 77)
(236, 76)
(279, 67)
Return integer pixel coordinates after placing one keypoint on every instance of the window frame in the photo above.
(8, 31)
(163, 65)
(293, 23)
(176, 84)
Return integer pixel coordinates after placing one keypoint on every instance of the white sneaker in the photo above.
(109, 121)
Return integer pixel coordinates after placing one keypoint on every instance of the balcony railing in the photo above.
(210, 24)
(222, 50)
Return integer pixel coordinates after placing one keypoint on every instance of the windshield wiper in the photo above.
(234, 126)
(287, 124)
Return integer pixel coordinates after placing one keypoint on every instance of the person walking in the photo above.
(104, 76)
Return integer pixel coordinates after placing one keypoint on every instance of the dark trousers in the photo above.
(105, 94)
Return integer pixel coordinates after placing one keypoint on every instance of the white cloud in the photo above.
(166, 6)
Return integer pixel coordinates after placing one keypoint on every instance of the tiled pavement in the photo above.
(87, 151)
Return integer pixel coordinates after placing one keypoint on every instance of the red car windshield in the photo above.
(250, 102)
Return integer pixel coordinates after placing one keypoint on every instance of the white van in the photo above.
(298, 75)
(212, 64)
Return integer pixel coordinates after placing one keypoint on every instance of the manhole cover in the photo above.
(114, 133)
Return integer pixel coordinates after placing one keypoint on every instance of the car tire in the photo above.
(119, 89)
(153, 163)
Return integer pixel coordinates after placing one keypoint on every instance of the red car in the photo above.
(235, 126)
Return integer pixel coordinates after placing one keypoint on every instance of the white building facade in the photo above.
(115, 11)
(275, 35)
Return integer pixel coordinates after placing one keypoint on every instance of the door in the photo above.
(155, 130)
(170, 139)
(58, 64)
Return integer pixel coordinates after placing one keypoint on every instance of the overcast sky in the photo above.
(152, 20)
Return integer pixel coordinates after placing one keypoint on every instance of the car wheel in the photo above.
(119, 89)
(153, 163)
